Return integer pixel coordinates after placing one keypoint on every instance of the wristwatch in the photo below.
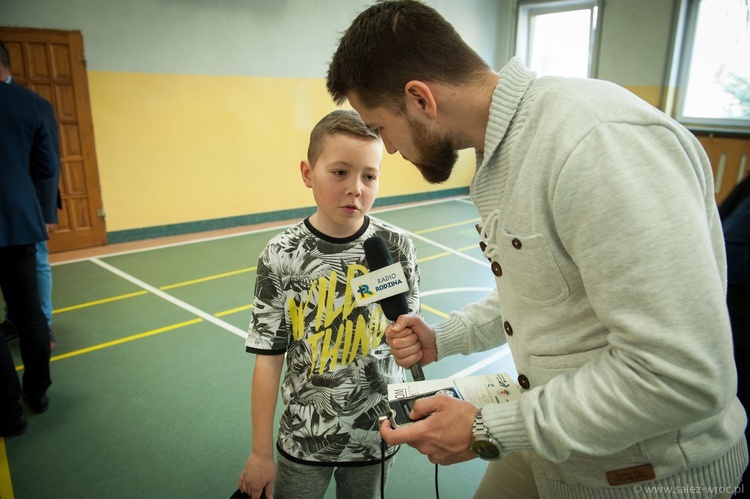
(482, 444)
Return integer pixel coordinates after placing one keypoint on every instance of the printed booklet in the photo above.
(479, 390)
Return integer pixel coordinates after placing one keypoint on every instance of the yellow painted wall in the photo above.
(180, 148)
(651, 94)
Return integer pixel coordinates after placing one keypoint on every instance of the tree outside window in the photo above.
(715, 69)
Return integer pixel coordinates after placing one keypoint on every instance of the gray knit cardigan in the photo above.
(599, 213)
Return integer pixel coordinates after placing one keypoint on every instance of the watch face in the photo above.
(486, 450)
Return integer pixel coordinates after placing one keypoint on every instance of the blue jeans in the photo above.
(43, 281)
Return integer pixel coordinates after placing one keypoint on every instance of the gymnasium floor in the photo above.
(151, 381)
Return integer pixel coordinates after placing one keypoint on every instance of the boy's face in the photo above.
(344, 181)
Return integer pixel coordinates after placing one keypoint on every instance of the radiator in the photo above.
(729, 161)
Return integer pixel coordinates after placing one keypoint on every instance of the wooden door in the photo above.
(729, 158)
(52, 63)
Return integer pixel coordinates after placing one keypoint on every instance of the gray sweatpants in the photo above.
(303, 481)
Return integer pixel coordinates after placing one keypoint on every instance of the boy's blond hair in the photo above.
(342, 121)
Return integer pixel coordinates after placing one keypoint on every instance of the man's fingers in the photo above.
(406, 348)
(425, 406)
(396, 330)
(402, 323)
(406, 435)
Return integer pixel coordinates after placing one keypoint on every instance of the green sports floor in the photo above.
(151, 382)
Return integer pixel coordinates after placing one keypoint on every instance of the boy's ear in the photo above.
(419, 98)
(305, 169)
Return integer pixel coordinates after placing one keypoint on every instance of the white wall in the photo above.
(279, 38)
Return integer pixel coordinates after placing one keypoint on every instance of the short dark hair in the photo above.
(340, 121)
(393, 42)
(4, 55)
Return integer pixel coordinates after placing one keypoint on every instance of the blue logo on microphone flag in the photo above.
(380, 284)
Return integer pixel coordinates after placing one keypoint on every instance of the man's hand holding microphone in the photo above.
(444, 427)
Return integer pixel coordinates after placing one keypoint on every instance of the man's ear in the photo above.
(419, 98)
(305, 169)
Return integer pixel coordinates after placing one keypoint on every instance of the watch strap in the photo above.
(483, 444)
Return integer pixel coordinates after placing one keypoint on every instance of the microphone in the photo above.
(378, 256)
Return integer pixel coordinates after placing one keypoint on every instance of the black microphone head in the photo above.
(378, 256)
(393, 306)
(376, 253)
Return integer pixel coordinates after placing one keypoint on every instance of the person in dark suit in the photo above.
(29, 174)
(43, 269)
(735, 220)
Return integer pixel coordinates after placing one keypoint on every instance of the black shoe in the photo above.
(38, 404)
(14, 428)
(9, 330)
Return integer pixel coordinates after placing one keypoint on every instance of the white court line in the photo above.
(168, 245)
(453, 290)
(215, 320)
(483, 263)
(165, 296)
(248, 232)
(503, 351)
(419, 204)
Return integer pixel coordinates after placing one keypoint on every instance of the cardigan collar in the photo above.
(514, 80)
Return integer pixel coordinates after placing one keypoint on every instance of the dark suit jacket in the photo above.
(735, 219)
(29, 167)
(50, 120)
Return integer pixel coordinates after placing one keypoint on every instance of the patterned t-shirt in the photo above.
(338, 364)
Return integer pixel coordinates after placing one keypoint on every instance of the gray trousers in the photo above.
(303, 481)
(512, 478)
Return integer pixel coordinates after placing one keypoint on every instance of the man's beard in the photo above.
(437, 155)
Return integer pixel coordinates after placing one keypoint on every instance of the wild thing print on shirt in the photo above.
(339, 333)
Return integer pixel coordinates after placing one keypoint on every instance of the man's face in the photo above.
(436, 155)
(433, 154)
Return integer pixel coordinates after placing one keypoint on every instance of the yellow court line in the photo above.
(6, 487)
(209, 278)
(235, 272)
(435, 311)
(120, 341)
(98, 302)
(433, 257)
(445, 253)
(233, 310)
(433, 229)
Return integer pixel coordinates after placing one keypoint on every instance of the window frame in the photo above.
(686, 45)
(526, 10)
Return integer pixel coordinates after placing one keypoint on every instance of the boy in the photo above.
(338, 365)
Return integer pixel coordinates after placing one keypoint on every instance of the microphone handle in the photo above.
(416, 372)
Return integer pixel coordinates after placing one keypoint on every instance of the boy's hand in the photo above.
(411, 340)
(258, 476)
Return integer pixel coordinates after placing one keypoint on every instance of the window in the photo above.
(557, 38)
(714, 77)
